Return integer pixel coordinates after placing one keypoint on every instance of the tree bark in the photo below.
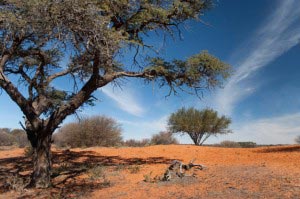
(41, 176)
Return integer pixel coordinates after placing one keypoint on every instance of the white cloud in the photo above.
(274, 130)
(125, 99)
(278, 34)
(144, 129)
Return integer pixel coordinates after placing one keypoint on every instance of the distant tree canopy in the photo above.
(10, 137)
(6, 139)
(199, 125)
(88, 132)
(81, 41)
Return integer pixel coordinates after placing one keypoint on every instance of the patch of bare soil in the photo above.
(269, 172)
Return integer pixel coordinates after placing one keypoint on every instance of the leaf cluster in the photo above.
(201, 71)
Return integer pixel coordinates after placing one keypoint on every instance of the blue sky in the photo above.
(259, 38)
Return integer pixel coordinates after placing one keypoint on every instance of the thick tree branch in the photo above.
(60, 74)
(17, 97)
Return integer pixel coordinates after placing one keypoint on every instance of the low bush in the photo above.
(137, 143)
(247, 144)
(232, 144)
(20, 138)
(229, 144)
(16, 137)
(6, 139)
(163, 138)
(88, 132)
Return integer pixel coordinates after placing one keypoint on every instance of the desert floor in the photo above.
(269, 172)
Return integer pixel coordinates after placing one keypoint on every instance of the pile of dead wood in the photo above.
(179, 170)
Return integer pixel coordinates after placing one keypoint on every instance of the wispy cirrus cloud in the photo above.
(273, 130)
(125, 100)
(279, 33)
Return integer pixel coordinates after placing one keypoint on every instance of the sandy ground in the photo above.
(270, 172)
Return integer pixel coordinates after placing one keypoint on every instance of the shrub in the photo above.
(137, 143)
(10, 137)
(163, 138)
(247, 144)
(6, 139)
(20, 137)
(134, 168)
(91, 131)
(229, 144)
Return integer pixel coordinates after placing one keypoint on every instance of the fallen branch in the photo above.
(178, 169)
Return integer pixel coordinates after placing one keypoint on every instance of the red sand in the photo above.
(272, 172)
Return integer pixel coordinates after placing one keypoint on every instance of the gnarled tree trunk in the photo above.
(41, 176)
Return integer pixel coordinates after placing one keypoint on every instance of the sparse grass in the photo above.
(17, 183)
(150, 179)
(63, 167)
(97, 172)
(134, 168)
(120, 167)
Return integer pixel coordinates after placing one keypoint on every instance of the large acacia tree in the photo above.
(47, 40)
(199, 125)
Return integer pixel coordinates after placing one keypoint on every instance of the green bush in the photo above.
(198, 124)
(247, 144)
(229, 144)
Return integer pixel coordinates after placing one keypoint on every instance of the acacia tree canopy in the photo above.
(199, 125)
(44, 41)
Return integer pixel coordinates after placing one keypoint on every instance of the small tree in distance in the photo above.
(199, 125)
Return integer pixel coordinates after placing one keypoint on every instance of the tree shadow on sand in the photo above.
(67, 167)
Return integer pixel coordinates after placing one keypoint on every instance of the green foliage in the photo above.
(40, 36)
(199, 125)
(247, 144)
(91, 131)
(199, 71)
(163, 138)
(42, 42)
(229, 144)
